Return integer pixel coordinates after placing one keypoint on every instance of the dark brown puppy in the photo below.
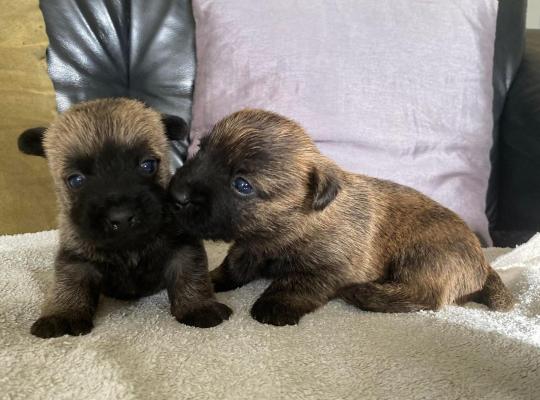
(110, 165)
(319, 232)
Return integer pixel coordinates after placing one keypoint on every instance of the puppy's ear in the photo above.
(323, 187)
(175, 127)
(31, 141)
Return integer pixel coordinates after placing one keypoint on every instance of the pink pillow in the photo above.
(397, 89)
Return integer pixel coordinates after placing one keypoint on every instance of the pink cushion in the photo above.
(397, 89)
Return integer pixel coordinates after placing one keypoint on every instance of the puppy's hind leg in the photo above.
(495, 294)
(391, 297)
(190, 290)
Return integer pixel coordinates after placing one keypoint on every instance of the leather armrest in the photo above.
(519, 151)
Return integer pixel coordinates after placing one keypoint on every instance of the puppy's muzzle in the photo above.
(188, 195)
(121, 219)
(181, 198)
(184, 196)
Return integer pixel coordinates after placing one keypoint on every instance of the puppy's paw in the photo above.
(275, 312)
(221, 281)
(54, 326)
(207, 316)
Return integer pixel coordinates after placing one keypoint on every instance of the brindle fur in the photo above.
(85, 267)
(320, 233)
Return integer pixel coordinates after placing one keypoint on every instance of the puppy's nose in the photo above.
(181, 197)
(121, 218)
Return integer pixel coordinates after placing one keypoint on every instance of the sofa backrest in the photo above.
(146, 50)
(128, 48)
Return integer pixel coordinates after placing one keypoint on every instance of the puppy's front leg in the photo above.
(74, 299)
(236, 270)
(190, 290)
(289, 298)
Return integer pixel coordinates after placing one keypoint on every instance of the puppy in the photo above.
(319, 232)
(110, 166)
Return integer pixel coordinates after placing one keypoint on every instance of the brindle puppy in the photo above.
(110, 166)
(319, 232)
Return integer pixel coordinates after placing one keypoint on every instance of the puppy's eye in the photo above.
(242, 186)
(148, 166)
(75, 181)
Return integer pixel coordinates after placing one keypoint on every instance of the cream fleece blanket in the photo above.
(138, 351)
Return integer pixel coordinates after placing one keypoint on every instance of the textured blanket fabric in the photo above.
(138, 351)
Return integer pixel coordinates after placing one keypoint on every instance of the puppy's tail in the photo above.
(495, 294)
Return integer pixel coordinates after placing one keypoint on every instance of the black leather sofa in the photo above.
(146, 50)
(516, 215)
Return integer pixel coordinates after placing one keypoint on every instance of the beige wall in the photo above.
(27, 201)
(533, 14)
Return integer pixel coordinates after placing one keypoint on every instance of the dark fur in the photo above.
(106, 140)
(31, 141)
(321, 233)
